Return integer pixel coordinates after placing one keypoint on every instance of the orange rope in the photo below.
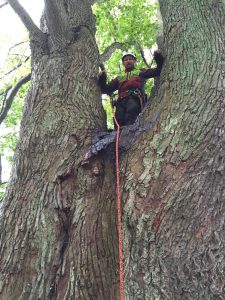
(120, 234)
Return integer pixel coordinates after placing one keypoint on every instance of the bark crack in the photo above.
(64, 217)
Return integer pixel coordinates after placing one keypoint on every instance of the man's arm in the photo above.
(109, 88)
(153, 72)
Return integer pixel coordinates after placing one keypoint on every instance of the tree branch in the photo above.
(16, 67)
(6, 90)
(109, 51)
(57, 21)
(12, 95)
(18, 44)
(5, 93)
(138, 46)
(3, 4)
(35, 32)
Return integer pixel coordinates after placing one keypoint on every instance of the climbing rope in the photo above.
(119, 214)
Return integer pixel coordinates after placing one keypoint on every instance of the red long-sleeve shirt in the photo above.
(132, 80)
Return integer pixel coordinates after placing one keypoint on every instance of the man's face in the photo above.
(129, 62)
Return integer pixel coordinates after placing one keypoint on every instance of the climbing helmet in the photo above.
(128, 53)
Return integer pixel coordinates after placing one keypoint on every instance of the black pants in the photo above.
(127, 110)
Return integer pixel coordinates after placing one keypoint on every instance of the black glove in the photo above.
(158, 57)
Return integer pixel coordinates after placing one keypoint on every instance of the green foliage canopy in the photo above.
(131, 23)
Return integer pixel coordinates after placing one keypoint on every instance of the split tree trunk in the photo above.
(58, 231)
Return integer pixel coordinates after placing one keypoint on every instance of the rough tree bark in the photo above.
(174, 186)
(0, 169)
(58, 223)
(58, 226)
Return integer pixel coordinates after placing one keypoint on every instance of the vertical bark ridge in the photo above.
(173, 200)
(59, 250)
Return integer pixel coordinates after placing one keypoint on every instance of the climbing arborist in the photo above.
(131, 95)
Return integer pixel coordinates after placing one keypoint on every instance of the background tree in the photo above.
(14, 65)
(60, 206)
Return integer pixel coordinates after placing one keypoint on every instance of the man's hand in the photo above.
(157, 51)
(102, 74)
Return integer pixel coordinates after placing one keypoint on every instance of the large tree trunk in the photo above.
(58, 230)
(174, 188)
(0, 169)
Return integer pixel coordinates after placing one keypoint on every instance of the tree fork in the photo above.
(173, 176)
